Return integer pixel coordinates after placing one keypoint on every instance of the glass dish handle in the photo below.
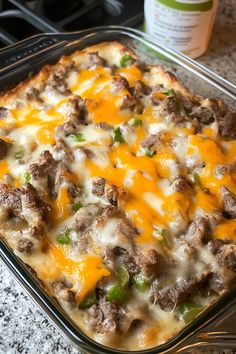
(28, 48)
(25, 50)
(211, 342)
(218, 337)
(17, 52)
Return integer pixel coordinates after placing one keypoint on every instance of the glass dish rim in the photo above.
(19, 269)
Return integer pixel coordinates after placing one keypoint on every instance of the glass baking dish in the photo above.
(214, 329)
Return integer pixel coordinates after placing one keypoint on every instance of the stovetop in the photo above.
(20, 19)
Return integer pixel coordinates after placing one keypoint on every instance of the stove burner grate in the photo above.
(20, 18)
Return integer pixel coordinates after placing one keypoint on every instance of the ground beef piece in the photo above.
(156, 96)
(95, 60)
(119, 84)
(209, 110)
(34, 209)
(3, 112)
(105, 317)
(3, 148)
(220, 281)
(36, 172)
(215, 109)
(213, 219)
(76, 109)
(188, 103)
(69, 128)
(227, 125)
(225, 253)
(140, 88)
(47, 175)
(10, 199)
(30, 239)
(216, 283)
(98, 187)
(181, 185)
(46, 160)
(85, 217)
(215, 244)
(76, 115)
(42, 173)
(62, 152)
(107, 191)
(57, 78)
(125, 259)
(171, 109)
(46, 164)
(26, 204)
(204, 114)
(152, 263)
(150, 141)
(109, 211)
(39, 178)
(170, 105)
(143, 67)
(227, 256)
(81, 245)
(88, 153)
(169, 297)
(182, 121)
(126, 229)
(74, 190)
(25, 246)
(33, 94)
(132, 103)
(155, 99)
(61, 177)
(229, 201)
(64, 294)
(197, 233)
(36, 230)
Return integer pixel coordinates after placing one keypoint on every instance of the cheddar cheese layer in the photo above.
(118, 187)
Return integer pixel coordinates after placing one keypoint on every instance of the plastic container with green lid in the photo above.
(184, 25)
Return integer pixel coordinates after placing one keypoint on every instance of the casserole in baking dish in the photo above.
(117, 189)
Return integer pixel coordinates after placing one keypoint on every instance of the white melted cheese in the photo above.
(24, 139)
(51, 96)
(129, 175)
(106, 235)
(154, 202)
(156, 128)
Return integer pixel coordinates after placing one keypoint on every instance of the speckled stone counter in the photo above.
(23, 328)
(221, 54)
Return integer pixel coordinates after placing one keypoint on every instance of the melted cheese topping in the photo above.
(61, 206)
(226, 230)
(84, 274)
(4, 169)
(151, 202)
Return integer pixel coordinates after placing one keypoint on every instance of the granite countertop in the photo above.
(23, 328)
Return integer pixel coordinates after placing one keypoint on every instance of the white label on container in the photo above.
(184, 25)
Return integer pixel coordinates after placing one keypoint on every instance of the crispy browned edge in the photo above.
(158, 73)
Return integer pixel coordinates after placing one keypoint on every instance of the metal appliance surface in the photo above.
(20, 19)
